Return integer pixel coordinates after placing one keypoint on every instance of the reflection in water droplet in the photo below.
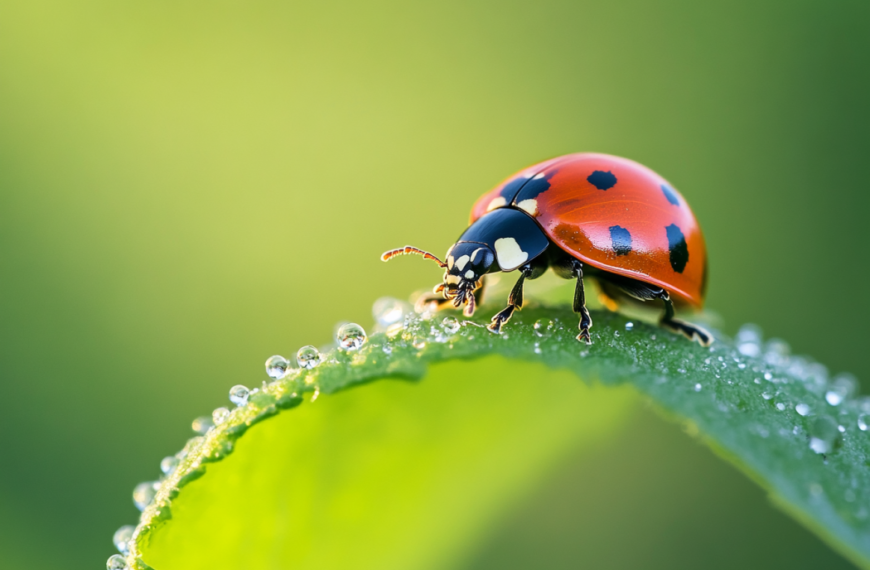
(629, 325)
(862, 422)
(843, 386)
(351, 336)
(276, 367)
(780, 406)
(451, 325)
(220, 415)
(544, 327)
(308, 357)
(239, 395)
(419, 343)
(116, 562)
(823, 434)
(143, 494)
(802, 409)
(202, 424)
(389, 311)
(168, 464)
(121, 538)
(749, 340)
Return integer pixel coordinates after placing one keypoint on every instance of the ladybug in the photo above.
(583, 215)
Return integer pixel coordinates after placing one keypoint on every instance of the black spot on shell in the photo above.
(537, 185)
(602, 180)
(621, 240)
(678, 248)
(670, 195)
(510, 189)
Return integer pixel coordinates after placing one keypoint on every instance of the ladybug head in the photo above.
(466, 263)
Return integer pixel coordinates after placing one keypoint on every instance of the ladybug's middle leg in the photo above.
(580, 304)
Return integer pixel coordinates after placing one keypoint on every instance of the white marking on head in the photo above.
(450, 262)
(451, 279)
(496, 203)
(461, 262)
(469, 274)
(474, 254)
(509, 254)
(530, 206)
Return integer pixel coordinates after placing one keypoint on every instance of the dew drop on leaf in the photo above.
(823, 434)
(389, 311)
(276, 367)
(202, 424)
(629, 325)
(308, 357)
(143, 494)
(168, 464)
(116, 562)
(450, 325)
(122, 537)
(543, 327)
(220, 415)
(862, 422)
(802, 409)
(351, 336)
(239, 394)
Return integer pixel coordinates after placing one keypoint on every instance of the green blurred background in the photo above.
(189, 187)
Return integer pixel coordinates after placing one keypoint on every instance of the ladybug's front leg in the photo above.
(515, 301)
(436, 301)
(580, 304)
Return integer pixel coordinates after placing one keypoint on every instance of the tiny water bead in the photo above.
(451, 325)
(862, 422)
(121, 538)
(698, 387)
(202, 424)
(824, 434)
(116, 562)
(220, 415)
(168, 464)
(843, 386)
(143, 494)
(389, 311)
(802, 409)
(749, 340)
(276, 367)
(629, 326)
(308, 357)
(544, 327)
(351, 336)
(239, 394)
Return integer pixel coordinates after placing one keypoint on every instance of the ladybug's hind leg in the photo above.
(690, 331)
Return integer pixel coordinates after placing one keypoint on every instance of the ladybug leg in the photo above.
(436, 300)
(580, 304)
(690, 331)
(515, 301)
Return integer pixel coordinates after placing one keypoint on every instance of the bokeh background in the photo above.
(189, 187)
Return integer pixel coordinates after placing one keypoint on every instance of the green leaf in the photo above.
(410, 474)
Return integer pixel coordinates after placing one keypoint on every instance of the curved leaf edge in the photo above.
(739, 398)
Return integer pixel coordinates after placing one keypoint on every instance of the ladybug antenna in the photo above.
(408, 250)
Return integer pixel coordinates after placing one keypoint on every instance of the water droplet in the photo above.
(544, 327)
(239, 394)
(766, 395)
(419, 343)
(802, 409)
(862, 422)
(351, 336)
(220, 415)
(308, 357)
(143, 494)
(629, 325)
(116, 562)
(121, 538)
(843, 386)
(698, 387)
(389, 311)
(768, 376)
(202, 424)
(780, 406)
(451, 325)
(841, 429)
(749, 340)
(823, 434)
(538, 348)
(387, 349)
(168, 464)
(276, 367)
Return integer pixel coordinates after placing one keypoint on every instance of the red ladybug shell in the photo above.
(614, 214)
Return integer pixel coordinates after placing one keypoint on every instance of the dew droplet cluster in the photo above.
(796, 403)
